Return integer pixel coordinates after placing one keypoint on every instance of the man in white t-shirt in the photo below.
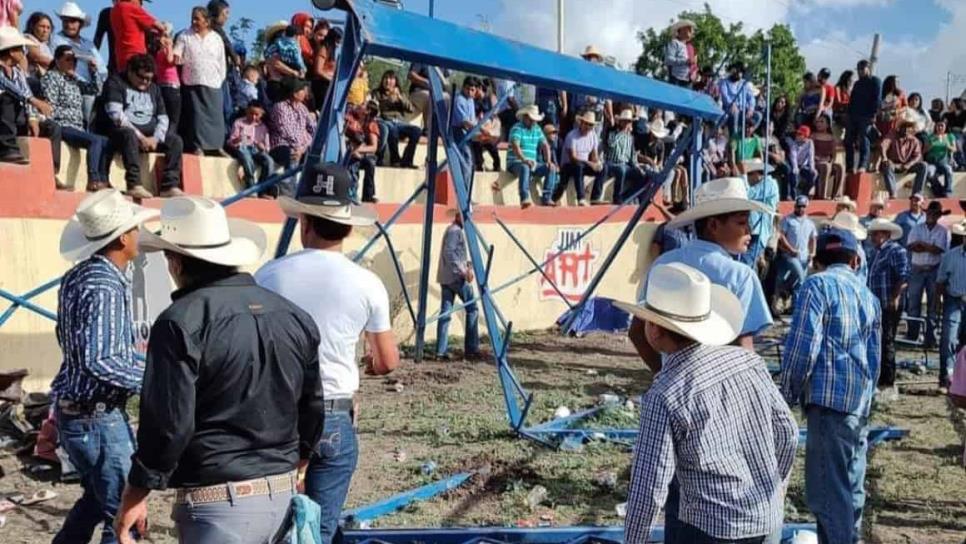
(344, 300)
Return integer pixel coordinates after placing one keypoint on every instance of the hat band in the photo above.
(204, 246)
(677, 317)
(100, 237)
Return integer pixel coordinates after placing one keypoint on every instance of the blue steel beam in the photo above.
(398, 268)
(533, 261)
(396, 502)
(8, 313)
(432, 163)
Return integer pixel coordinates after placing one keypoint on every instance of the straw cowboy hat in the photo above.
(198, 227)
(753, 165)
(626, 115)
(70, 10)
(591, 51)
(324, 192)
(273, 29)
(850, 222)
(587, 117)
(682, 299)
(877, 202)
(531, 111)
(100, 218)
(878, 224)
(845, 201)
(682, 23)
(959, 229)
(658, 129)
(10, 37)
(718, 197)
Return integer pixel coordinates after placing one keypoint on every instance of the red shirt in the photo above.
(130, 23)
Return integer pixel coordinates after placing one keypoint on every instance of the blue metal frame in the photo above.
(396, 502)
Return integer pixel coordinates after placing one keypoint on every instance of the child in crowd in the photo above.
(249, 85)
(167, 77)
(249, 142)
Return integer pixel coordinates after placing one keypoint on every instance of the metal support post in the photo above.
(8, 313)
(767, 102)
(697, 145)
(432, 163)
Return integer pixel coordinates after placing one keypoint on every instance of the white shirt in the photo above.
(343, 298)
(937, 236)
(203, 59)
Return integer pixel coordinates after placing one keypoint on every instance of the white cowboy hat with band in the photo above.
(198, 227)
(682, 299)
(658, 129)
(10, 37)
(70, 10)
(531, 111)
(587, 117)
(626, 115)
(879, 225)
(846, 201)
(325, 192)
(718, 197)
(959, 229)
(683, 23)
(850, 222)
(100, 218)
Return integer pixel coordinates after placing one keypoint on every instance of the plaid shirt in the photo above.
(95, 333)
(889, 269)
(832, 349)
(730, 457)
(620, 147)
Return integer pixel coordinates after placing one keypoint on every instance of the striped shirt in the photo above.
(620, 147)
(937, 235)
(952, 272)
(889, 270)
(529, 140)
(96, 336)
(833, 346)
(713, 417)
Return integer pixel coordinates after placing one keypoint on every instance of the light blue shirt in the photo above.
(464, 110)
(952, 272)
(766, 192)
(907, 221)
(722, 269)
(85, 51)
(799, 231)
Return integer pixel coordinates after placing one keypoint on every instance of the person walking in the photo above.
(830, 368)
(455, 276)
(796, 248)
(710, 402)
(99, 372)
(888, 280)
(344, 301)
(232, 399)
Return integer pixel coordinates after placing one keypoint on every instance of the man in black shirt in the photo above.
(232, 395)
(863, 107)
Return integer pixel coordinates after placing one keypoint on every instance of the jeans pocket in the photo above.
(330, 445)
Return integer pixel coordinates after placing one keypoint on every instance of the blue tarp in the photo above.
(598, 315)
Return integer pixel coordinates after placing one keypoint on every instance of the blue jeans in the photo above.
(835, 460)
(857, 134)
(573, 171)
(98, 160)
(922, 279)
(801, 182)
(790, 274)
(251, 157)
(471, 342)
(888, 172)
(396, 130)
(330, 470)
(617, 170)
(934, 169)
(523, 172)
(952, 318)
(99, 446)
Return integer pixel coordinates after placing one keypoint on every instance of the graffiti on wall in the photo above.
(572, 270)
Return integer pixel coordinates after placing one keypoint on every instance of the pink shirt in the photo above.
(245, 133)
(7, 10)
(167, 75)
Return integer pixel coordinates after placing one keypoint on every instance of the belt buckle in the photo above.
(100, 407)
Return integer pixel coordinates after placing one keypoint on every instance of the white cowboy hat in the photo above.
(681, 24)
(588, 117)
(71, 10)
(657, 129)
(273, 29)
(591, 51)
(198, 227)
(718, 197)
(845, 201)
(850, 222)
(879, 224)
(626, 115)
(959, 229)
(753, 165)
(682, 299)
(324, 192)
(10, 37)
(531, 111)
(100, 218)
(877, 202)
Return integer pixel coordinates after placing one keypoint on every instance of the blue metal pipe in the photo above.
(533, 261)
(396, 502)
(23, 302)
(259, 187)
(399, 272)
(427, 245)
(8, 313)
(389, 223)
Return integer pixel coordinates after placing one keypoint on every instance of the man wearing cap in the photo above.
(679, 56)
(619, 160)
(345, 301)
(951, 286)
(602, 108)
(831, 367)
(850, 222)
(888, 279)
(927, 244)
(902, 153)
(528, 144)
(99, 371)
(796, 247)
(91, 68)
(232, 397)
(801, 157)
(908, 219)
(764, 190)
(688, 427)
(20, 110)
(580, 157)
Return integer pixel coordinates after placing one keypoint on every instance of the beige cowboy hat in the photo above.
(10, 37)
(273, 29)
(588, 117)
(959, 229)
(198, 227)
(718, 197)
(592, 51)
(753, 165)
(850, 222)
(682, 299)
(325, 192)
(658, 129)
(845, 201)
(100, 218)
(531, 111)
(878, 224)
(70, 10)
(626, 116)
(682, 23)
(877, 202)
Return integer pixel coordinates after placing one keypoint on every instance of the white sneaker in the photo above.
(583, 202)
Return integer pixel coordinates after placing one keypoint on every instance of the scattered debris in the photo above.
(606, 479)
(621, 510)
(607, 399)
(3, 521)
(442, 431)
(398, 387)
(6, 504)
(400, 456)
(38, 497)
(536, 496)
(592, 372)
(629, 405)
(561, 411)
(428, 468)
(804, 537)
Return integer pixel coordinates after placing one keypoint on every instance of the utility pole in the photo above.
(874, 58)
(432, 9)
(949, 82)
(560, 25)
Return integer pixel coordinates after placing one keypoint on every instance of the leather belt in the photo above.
(231, 491)
(72, 408)
(339, 405)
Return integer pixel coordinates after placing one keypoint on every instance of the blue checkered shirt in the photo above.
(713, 417)
(96, 335)
(832, 349)
(889, 270)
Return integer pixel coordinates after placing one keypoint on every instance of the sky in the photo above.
(922, 40)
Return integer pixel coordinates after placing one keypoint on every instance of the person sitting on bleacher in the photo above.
(580, 157)
(527, 143)
(394, 106)
(362, 134)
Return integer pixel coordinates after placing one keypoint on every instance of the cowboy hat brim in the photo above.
(247, 245)
(273, 30)
(681, 24)
(720, 206)
(75, 246)
(859, 231)
(536, 118)
(959, 229)
(84, 19)
(359, 216)
(895, 231)
(722, 326)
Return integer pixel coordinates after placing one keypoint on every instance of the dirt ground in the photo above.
(453, 415)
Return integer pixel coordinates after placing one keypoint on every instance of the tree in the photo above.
(238, 31)
(718, 46)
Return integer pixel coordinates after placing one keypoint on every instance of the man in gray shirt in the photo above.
(455, 277)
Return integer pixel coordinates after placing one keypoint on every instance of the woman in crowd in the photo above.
(283, 59)
(781, 118)
(38, 30)
(916, 114)
(201, 53)
(831, 175)
(292, 124)
(810, 103)
(936, 109)
(828, 92)
(394, 107)
(304, 25)
(892, 108)
(488, 137)
(63, 92)
(843, 95)
(323, 66)
(955, 118)
(168, 79)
